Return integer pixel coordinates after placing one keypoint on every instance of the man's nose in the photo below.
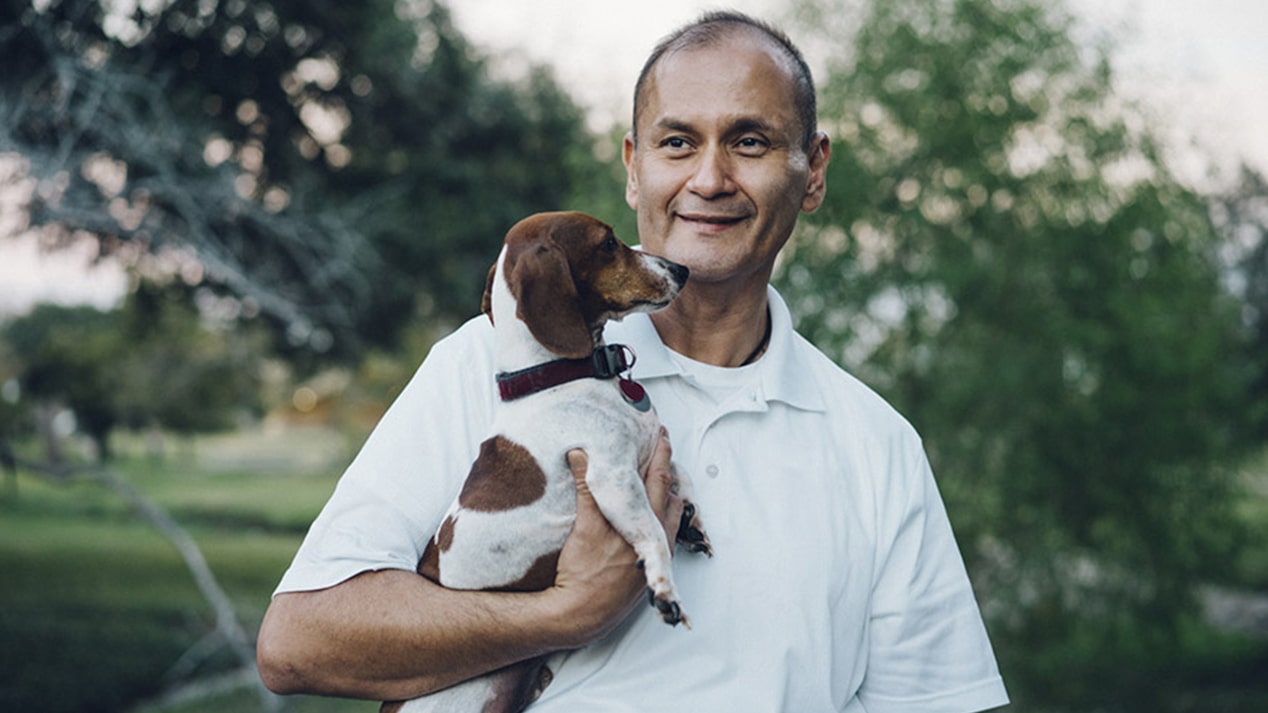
(711, 176)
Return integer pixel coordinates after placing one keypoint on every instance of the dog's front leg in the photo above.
(622, 497)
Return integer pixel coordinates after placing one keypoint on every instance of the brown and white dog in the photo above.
(559, 278)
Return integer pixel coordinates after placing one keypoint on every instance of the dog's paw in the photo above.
(670, 611)
(691, 533)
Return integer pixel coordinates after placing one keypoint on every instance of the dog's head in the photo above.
(569, 274)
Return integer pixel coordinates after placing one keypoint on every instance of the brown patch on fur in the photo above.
(518, 685)
(515, 687)
(444, 536)
(429, 565)
(538, 577)
(504, 476)
(486, 302)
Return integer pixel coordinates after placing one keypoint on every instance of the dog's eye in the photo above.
(609, 243)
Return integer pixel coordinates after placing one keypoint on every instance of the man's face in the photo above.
(719, 173)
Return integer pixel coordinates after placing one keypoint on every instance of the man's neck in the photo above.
(723, 328)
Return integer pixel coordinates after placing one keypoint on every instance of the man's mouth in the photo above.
(710, 219)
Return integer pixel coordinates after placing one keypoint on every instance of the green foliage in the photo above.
(600, 188)
(153, 363)
(1241, 213)
(1136, 667)
(1006, 256)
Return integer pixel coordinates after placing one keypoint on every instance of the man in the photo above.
(836, 584)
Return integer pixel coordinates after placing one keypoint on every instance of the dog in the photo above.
(558, 279)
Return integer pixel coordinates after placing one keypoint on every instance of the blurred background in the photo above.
(230, 230)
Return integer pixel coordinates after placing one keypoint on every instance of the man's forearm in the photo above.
(394, 635)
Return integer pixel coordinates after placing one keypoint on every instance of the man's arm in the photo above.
(393, 635)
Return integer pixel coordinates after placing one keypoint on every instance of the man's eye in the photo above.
(675, 142)
(751, 144)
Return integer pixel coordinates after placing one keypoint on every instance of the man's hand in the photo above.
(598, 576)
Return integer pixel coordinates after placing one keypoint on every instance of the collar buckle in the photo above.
(610, 360)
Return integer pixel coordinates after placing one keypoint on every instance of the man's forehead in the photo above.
(730, 68)
(740, 45)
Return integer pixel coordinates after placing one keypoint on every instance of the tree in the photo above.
(64, 356)
(179, 373)
(1005, 254)
(152, 363)
(1241, 213)
(338, 167)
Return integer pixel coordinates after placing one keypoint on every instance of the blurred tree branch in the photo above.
(299, 269)
(338, 168)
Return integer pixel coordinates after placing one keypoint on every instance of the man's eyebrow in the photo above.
(740, 125)
(670, 124)
(743, 125)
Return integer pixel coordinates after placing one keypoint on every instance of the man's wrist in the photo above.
(570, 621)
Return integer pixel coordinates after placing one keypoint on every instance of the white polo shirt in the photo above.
(836, 584)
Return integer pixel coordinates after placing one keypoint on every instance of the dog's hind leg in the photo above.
(691, 534)
(507, 690)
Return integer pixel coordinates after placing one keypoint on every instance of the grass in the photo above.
(98, 611)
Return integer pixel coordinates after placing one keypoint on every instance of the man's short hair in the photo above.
(710, 30)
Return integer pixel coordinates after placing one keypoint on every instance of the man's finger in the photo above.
(661, 486)
(577, 463)
(662, 453)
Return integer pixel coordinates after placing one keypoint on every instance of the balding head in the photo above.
(715, 28)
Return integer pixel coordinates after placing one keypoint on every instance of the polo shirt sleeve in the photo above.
(394, 494)
(928, 648)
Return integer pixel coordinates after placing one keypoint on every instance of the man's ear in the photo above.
(817, 182)
(631, 177)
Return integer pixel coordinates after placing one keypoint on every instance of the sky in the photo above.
(1203, 67)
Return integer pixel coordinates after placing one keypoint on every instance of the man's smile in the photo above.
(711, 219)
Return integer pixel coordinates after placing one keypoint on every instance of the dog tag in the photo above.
(635, 394)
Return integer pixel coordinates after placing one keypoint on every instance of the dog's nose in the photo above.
(679, 272)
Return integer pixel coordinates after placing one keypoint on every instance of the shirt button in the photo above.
(711, 471)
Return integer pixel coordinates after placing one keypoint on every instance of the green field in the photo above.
(98, 611)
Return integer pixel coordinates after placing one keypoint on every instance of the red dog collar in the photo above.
(605, 362)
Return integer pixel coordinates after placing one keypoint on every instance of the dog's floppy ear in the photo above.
(547, 300)
(486, 302)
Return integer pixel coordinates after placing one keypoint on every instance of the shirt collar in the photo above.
(784, 372)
